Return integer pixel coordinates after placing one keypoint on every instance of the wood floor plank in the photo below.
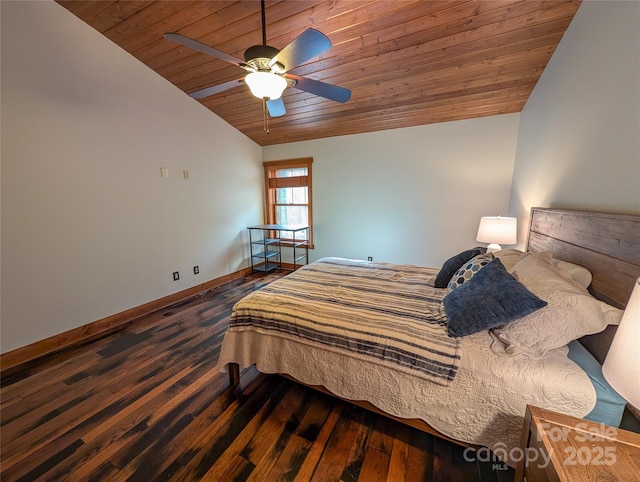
(236, 468)
(115, 438)
(32, 387)
(230, 458)
(399, 455)
(363, 428)
(290, 459)
(159, 407)
(109, 442)
(17, 406)
(375, 466)
(39, 472)
(148, 403)
(314, 419)
(90, 460)
(267, 445)
(336, 453)
(41, 428)
(420, 458)
(173, 454)
(207, 448)
(447, 466)
(317, 448)
(381, 437)
(134, 405)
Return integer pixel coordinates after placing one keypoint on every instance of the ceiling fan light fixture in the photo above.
(266, 85)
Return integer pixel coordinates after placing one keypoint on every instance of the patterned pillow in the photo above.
(453, 264)
(469, 269)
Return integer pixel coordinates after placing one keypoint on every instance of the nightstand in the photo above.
(558, 447)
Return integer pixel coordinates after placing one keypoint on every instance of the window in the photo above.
(288, 191)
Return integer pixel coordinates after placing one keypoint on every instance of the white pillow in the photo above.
(570, 314)
(509, 257)
(578, 273)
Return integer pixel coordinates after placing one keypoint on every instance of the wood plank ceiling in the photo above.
(406, 62)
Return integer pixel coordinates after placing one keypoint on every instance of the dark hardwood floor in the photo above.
(147, 403)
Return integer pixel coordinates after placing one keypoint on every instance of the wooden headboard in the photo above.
(608, 245)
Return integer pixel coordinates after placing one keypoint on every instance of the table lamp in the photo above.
(622, 366)
(497, 230)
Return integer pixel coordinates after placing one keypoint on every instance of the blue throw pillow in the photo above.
(453, 264)
(490, 298)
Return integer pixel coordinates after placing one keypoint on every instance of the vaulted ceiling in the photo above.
(406, 62)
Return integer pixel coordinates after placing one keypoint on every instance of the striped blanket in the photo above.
(382, 313)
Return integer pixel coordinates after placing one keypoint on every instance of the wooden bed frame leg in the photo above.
(234, 374)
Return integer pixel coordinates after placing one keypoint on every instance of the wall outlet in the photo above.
(196, 270)
(370, 258)
(176, 275)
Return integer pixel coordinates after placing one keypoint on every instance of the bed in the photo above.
(378, 334)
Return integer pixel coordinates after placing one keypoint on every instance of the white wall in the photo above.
(411, 195)
(579, 137)
(89, 228)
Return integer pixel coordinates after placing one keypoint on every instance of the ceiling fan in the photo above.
(268, 68)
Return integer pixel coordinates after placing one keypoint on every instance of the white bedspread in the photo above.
(484, 404)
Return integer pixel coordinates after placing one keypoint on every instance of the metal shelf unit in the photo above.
(266, 243)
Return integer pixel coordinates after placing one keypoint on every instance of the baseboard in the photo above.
(12, 361)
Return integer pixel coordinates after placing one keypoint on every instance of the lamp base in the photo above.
(493, 247)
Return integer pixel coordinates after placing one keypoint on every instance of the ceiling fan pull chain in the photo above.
(265, 116)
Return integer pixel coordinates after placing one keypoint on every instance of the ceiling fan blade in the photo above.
(276, 107)
(305, 46)
(328, 91)
(215, 89)
(199, 46)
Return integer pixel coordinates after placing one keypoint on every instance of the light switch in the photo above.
(164, 172)
(185, 173)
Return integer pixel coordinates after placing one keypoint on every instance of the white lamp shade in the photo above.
(497, 230)
(622, 366)
(265, 85)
